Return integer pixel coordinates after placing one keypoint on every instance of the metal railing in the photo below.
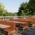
(14, 17)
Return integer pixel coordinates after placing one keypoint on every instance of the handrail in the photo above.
(7, 17)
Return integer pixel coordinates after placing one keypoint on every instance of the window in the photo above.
(20, 27)
(30, 24)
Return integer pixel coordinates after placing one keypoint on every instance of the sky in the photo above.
(12, 5)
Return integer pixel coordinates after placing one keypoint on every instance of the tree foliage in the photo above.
(27, 9)
(1, 9)
(31, 5)
(4, 12)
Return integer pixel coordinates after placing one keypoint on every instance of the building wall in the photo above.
(12, 24)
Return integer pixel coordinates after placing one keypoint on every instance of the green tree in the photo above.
(31, 6)
(23, 9)
(1, 9)
(27, 9)
(4, 12)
